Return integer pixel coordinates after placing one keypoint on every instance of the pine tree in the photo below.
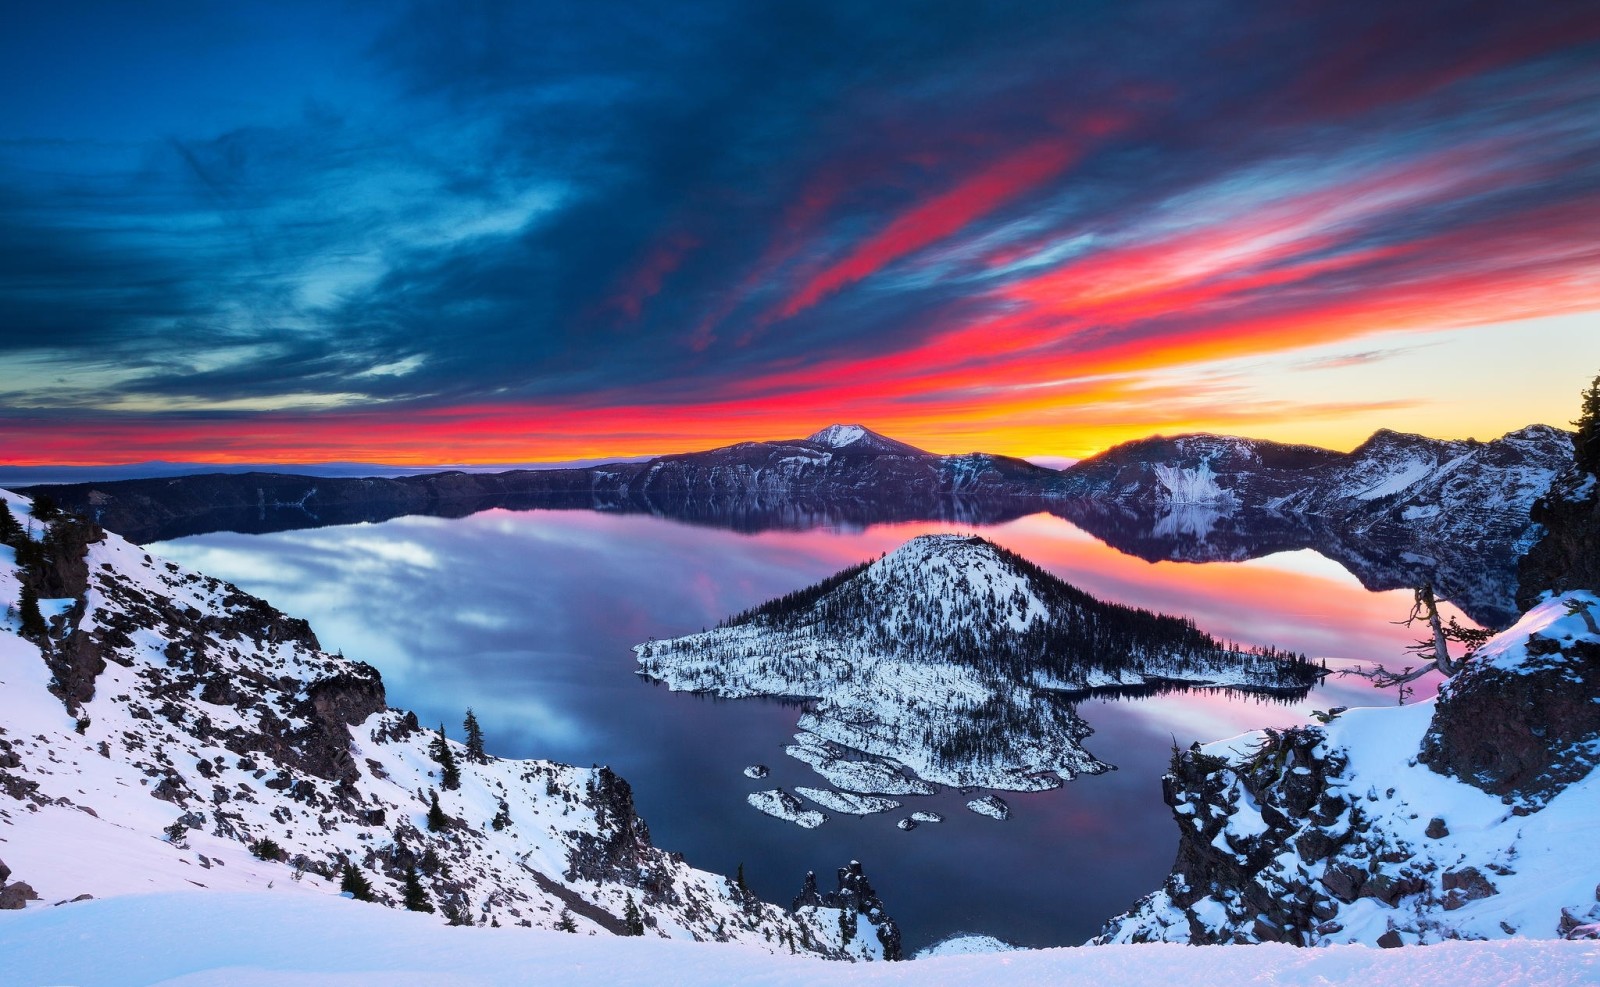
(632, 921)
(32, 621)
(438, 822)
(449, 770)
(415, 898)
(847, 925)
(565, 923)
(474, 736)
(1586, 444)
(11, 531)
(355, 883)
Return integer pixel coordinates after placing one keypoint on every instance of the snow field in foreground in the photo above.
(244, 940)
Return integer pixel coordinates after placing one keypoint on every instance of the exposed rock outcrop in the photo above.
(1397, 826)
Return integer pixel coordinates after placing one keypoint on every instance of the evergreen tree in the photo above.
(474, 736)
(565, 923)
(1586, 444)
(449, 770)
(632, 921)
(415, 898)
(44, 507)
(355, 883)
(438, 822)
(847, 925)
(11, 531)
(32, 626)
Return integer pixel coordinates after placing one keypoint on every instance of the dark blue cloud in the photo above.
(454, 202)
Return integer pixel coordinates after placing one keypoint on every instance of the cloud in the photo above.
(590, 209)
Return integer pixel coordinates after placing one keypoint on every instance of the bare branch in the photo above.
(1383, 678)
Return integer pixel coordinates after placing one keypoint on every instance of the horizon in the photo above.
(40, 474)
(481, 234)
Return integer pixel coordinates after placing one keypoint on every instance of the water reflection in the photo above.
(528, 619)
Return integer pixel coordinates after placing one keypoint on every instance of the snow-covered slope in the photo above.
(168, 722)
(265, 940)
(945, 657)
(1472, 816)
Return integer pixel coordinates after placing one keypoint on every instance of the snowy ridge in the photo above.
(1402, 825)
(945, 657)
(169, 721)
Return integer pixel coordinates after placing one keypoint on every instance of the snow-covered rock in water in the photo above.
(169, 732)
(927, 816)
(756, 771)
(992, 806)
(947, 656)
(848, 802)
(908, 824)
(851, 770)
(1469, 816)
(779, 804)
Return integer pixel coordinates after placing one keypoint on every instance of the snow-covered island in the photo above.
(953, 658)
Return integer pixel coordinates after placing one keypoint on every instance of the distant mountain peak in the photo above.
(858, 438)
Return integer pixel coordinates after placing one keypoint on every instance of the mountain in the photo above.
(1472, 816)
(161, 730)
(1398, 511)
(1391, 478)
(949, 657)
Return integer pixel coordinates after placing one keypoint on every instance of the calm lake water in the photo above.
(528, 619)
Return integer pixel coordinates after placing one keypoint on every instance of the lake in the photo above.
(528, 618)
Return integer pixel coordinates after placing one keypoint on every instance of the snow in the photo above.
(990, 805)
(848, 803)
(966, 945)
(1538, 863)
(839, 436)
(80, 810)
(257, 939)
(904, 682)
(779, 804)
(1197, 485)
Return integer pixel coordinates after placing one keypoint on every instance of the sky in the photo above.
(468, 232)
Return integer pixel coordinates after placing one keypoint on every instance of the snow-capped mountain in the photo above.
(162, 730)
(1391, 478)
(948, 657)
(1398, 511)
(1473, 816)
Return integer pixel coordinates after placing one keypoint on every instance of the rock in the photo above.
(1344, 881)
(756, 771)
(1437, 830)
(1391, 940)
(1470, 882)
(1568, 555)
(5, 872)
(1515, 728)
(908, 824)
(14, 896)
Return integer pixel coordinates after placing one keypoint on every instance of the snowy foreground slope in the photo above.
(254, 940)
(948, 657)
(1472, 816)
(167, 721)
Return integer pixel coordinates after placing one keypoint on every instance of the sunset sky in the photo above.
(479, 232)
